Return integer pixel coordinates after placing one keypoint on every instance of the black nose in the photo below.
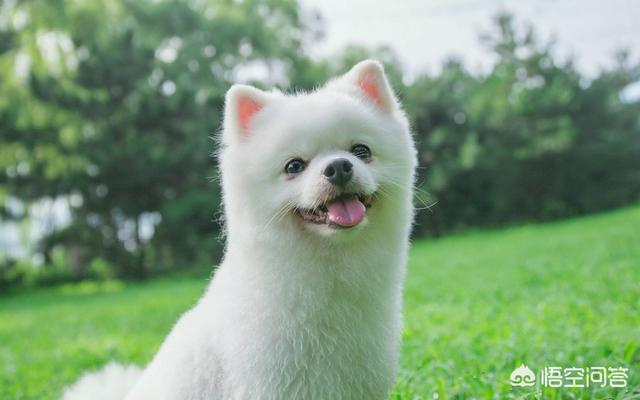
(339, 172)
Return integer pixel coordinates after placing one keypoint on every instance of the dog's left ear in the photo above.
(370, 83)
(241, 105)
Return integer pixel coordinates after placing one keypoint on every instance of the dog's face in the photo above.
(323, 163)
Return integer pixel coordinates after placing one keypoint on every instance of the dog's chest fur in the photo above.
(335, 339)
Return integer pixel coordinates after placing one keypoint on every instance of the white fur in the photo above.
(296, 310)
(113, 381)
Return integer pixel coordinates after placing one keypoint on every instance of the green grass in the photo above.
(476, 306)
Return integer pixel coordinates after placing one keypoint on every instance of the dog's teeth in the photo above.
(320, 215)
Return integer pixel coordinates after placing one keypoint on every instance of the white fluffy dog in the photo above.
(307, 302)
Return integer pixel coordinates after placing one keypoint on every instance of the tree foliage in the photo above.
(112, 106)
(117, 109)
(531, 140)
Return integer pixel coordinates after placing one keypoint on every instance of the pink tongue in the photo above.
(346, 212)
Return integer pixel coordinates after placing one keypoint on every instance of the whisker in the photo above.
(279, 214)
(417, 192)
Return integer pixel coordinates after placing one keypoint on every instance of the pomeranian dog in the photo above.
(307, 302)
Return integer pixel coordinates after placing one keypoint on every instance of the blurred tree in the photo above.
(114, 107)
(111, 106)
(531, 140)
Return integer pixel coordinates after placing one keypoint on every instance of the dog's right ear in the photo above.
(367, 81)
(242, 103)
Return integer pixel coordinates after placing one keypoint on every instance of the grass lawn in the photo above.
(477, 305)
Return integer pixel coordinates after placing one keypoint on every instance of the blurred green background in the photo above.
(108, 109)
(107, 114)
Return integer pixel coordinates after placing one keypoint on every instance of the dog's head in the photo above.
(334, 160)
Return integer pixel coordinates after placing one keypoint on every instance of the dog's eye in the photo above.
(361, 151)
(294, 166)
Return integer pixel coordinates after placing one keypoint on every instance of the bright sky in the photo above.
(424, 32)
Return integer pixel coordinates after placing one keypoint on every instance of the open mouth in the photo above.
(344, 211)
